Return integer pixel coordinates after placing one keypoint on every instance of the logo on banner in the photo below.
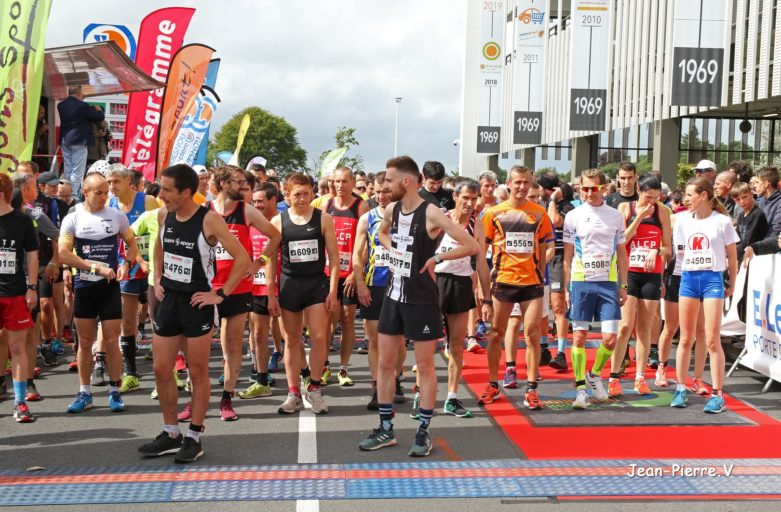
(492, 50)
(120, 34)
(532, 15)
(200, 121)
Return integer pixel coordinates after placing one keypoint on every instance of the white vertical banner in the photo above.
(699, 43)
(531, 30)
(590, 54)
(489, 99)
(763, 316)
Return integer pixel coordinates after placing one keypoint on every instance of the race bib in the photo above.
(86, 275)
(221, 254)
(143, 245)
(177, 268)
(345, 259)
(516, 310)
(301, 251)
(489, 252)
(637, 256)
(447, 245)
(400, 262)
(260, 276)
(7, 261)
(698, 260)
(596, 267)
(381, 256)
(519, 243)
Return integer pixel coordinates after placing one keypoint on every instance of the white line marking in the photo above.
(307, 450)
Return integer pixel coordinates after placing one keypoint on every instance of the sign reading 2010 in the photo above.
(589, 73)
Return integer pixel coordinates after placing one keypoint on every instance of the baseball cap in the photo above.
(99, 166)
(48, 178)
(704, 165)
(200, 169)
(548, 182)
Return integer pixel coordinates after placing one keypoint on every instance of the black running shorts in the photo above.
(346, 300)
(260, 305)
(234, 305)
(174, 316)
(456, 294)
(644, 285)
(372, 311)
(417, 322)
(298, 293)
(100, 300)
(512, 293)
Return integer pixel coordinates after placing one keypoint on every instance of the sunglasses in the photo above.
(362, 189)
(591, 189)
(240, 182)
(700, 171)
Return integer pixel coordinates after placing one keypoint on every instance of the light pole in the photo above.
(396, 133)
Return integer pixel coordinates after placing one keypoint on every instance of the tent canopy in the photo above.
(99, 68)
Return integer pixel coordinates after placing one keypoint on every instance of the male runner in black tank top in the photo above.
(409, 231)
(307, 234)
(184, 267)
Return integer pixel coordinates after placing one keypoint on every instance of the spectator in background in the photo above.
(99, 149)
(204, 177)
(137, 181)
(65, 193)
(360, 187)
(370, 179)
(41, 139)
(751, 223)
(322, 187)
(432, 190)
(76, 118)
(742, 170)
(627, 185)
(676, 201)
(501, 193)
(487, 199)
(767, 187)
(259, 171)
(722, 186)
(706, 169)
(665, 196)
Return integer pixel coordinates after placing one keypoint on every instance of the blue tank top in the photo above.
(139, 207)
(377, 270)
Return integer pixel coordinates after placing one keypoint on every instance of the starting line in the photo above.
(566, 479)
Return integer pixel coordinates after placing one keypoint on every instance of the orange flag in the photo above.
(185, 79)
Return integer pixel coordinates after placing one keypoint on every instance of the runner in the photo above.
(304, 289)
(627, 181)
(594, 280)
(432, 189)
(18, 294)
(370, 285)
(94, 230)
(183, 271)
(519, 232)
(409, 231)
(648, 236)
(265, 305)
(132, 204)
(234, 310)
(455, 283)
(345, 209)
(709, 249)
(476, 327)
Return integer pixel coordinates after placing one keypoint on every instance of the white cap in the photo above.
(200, 169)
(705, 164)
(99, 166)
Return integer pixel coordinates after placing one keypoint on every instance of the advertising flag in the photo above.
(195, 127)
(211, 81)
(185, 79)
(22, 43)
(159, 38)
(330, 161)
(240, 139)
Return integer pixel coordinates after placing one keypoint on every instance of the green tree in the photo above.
(344, 138)
(268, 135)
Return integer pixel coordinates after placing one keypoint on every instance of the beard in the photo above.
(396, 193)
(235, 196)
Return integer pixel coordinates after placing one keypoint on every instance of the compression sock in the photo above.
(128, 346)
(425, 418)
(562, 344)
(263, 378)
(579, 366)
(603, 354)
(20, 391)
(386, 415)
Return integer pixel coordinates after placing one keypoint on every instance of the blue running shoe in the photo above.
(679, 399)
(56, 347)
(273, 362)
(481, 331)
(115, 402)
(81, 402)
(714, 405)
(221, 379)
(510, 379)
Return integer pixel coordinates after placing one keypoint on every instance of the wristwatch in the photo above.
(265, 259)
(33, 287)
(437, 259)
(221, 294)
(624, 286)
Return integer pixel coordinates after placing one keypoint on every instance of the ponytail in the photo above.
(719, 207)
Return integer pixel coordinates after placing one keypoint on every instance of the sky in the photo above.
(322, 64)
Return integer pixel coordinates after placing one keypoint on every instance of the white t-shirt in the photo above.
(595, 233)
(705, 241)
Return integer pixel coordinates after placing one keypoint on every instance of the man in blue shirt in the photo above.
(76, 118)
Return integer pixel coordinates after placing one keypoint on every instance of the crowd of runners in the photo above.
(291, 262)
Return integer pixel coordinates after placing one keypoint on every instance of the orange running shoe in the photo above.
(489, 395)
(699, 387)
(614, 389)
(532, 400)
(641, 387)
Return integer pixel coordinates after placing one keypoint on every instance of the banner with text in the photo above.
(159, 38)
(211, 82)
(185, 79)
(22, 44)
(531, 23)
(489, 96)
(589, 57)
(195, 128)
(699, 42)
(763, 316)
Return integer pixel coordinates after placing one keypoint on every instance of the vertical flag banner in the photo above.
(489, 98)
(531, 31)
(699, 41)
(589, 61)
(330, 161)
(240, 139)
(211, 82)
(22, 44)
(195, 127)
(763, 316)
(159, 38)
(185, 79)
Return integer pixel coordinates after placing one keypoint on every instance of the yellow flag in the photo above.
(22, 45)
(240, 141)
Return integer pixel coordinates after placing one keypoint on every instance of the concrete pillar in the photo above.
(528, 158)
(469, 162)
(581, 154)
(667, 144)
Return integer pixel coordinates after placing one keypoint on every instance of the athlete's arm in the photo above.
(259, 222)
(329, 233)
(349, 281)
(641, 214)
(150, 203)
(158, 259)
(275, 221)
(68, 257)
(483, 274)
(622, 268)
(732, 268)
(436, 219)
(131, 252)
(360, 251)
(665, 251)
(385, 225)
(31, 296)
(565, 272)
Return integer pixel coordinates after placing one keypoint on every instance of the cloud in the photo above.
(324, 64)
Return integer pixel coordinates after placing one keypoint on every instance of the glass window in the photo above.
(118, 109)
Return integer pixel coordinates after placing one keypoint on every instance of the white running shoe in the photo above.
(316, 400)
(581, 400)
(598, 392)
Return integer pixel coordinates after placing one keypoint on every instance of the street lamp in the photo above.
(396, 133)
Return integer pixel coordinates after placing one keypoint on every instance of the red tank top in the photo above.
(345, 224)
(259, 282)
(237, 225)
(647, 237)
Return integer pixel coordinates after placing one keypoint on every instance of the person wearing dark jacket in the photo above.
(76, 118)
(767, 186)
(750, 222)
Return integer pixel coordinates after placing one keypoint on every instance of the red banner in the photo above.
(185, 79)
(159, 38)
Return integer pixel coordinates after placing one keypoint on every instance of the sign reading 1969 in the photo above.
(697, 76)
(488, 139)
(588, 109)
(528, 127)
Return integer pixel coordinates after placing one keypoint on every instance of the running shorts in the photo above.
(417, 322)
(456, 294)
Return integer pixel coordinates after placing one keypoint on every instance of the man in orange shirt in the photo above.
(519, 232)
